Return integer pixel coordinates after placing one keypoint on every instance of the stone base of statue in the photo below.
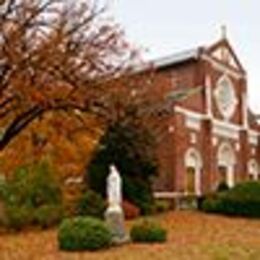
(114, 217)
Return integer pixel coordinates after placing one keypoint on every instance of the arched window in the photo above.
(193, 164)
(253, 170)
(226, 160)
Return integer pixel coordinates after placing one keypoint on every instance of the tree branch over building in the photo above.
(55, 54)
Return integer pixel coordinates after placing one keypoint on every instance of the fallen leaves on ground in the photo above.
(192, 235)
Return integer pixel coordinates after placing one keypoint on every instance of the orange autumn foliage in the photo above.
(67, 143)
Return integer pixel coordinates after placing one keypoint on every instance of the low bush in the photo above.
(18, 217)
(91, 204)
(130, 210)
(48, 215)
(222, 186)
(210, 204)
(161, 206)
(31, 196)
(242, 200)
(147, 231)
(83, 233)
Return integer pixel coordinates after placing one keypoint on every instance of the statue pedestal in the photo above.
(115, 219)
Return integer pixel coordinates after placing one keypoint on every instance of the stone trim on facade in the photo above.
(200, 125)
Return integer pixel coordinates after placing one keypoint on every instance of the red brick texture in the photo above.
(174, 145)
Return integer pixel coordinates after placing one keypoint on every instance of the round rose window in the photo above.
(225, 97)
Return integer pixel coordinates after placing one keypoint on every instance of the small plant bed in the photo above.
(148, 231)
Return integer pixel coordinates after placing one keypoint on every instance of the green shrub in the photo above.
(147, 231)
(222, 186)
(18, 217)
(91, 204)
(161, 206)
(48, 215)
(83, 233)
(242, 200)
(43, 187)
(31, 196)
(139, 193)
(210, 205)
(33, 186)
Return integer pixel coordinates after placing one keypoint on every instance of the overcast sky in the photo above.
(169, 26)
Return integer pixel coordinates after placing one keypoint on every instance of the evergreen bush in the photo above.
(91, 204)
(48, 215)
(132, 150)
(242, 200)
(31, 196)
(83, 233)
(147, 231)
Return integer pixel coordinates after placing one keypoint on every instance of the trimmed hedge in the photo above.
(83, 233)
(242, 200)
(147, 231)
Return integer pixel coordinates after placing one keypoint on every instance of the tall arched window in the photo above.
(253, 170)
(193, 164)
(226, 160)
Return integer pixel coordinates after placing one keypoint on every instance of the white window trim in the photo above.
(222, 68)
(220, 127)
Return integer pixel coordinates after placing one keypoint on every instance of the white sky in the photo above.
(168, 26)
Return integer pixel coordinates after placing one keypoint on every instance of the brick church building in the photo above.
(212, 135)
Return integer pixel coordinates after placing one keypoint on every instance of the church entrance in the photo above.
(226, 164)
(193, 166)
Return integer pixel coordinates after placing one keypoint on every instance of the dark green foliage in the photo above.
(32, 186)
(210, 204)
(48, 215)
(32, 196)
(200, 201)
(242, 200)
(222, 187)
(139, 193)
(18, 217)
(131, 148)
(83, 233)
(147, 231)
(91, 204)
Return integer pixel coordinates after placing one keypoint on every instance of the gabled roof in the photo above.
(177, 58)
(223, 52)
(222, 46)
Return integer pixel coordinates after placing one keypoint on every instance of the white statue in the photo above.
(114, 214)
(114, 189)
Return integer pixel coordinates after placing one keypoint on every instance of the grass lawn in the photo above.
(192, 236)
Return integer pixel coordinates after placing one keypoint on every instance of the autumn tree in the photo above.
(55, 55)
